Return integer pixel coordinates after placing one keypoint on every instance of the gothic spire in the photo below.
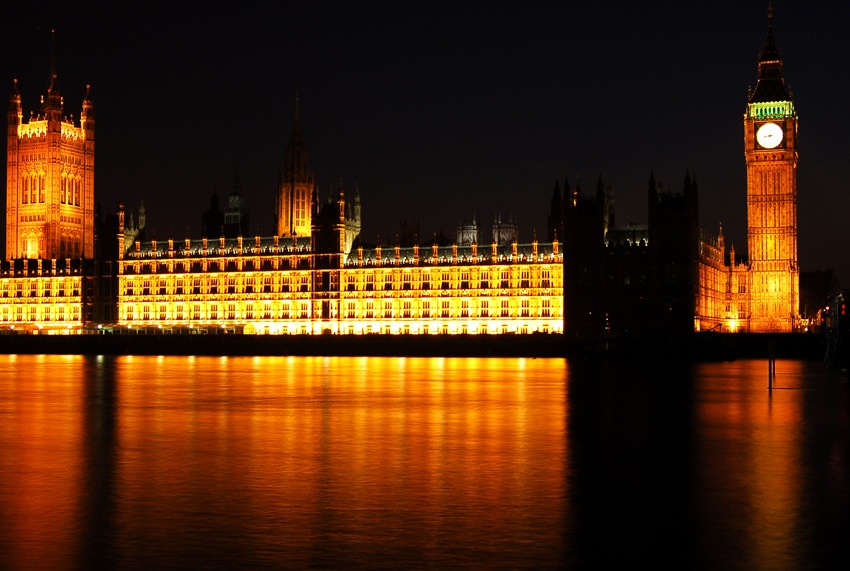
(296, 169)
(771, 84)
(51, 81)
(769, 53)
(296, 122)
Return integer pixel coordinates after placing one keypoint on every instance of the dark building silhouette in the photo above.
(630, 279)
(212, 220)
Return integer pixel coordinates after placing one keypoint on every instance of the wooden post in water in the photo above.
(771, 364)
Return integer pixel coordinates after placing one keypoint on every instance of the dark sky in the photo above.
(443, 111)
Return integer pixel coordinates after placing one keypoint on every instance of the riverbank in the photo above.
(703, 346)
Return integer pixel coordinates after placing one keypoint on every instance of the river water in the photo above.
(410, 463)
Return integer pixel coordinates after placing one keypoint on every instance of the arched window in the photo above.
(25, 190)
(42, 180)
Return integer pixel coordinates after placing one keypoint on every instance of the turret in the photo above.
(87, 115)
(600, 190)
(721, 240)
(15, 112)
(356, 206)
(340, 200)
(556, 211)
(652, 192)
(141, 215)
(13, 198)
(691, 196)
(122, 246)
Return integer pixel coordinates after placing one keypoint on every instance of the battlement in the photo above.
(33, 129)
(71, 131)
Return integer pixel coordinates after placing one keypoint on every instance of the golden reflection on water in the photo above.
(285, 460)
(294, 462)
(752, 441)
(41, 437)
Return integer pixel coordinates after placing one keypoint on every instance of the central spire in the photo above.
(297, 169)
(296, 121)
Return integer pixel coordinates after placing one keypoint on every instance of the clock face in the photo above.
(769, 135)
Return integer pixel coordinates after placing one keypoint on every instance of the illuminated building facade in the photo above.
(314, 275)
(275, 286)
(324, 285)
(49, 180)
(42, 296)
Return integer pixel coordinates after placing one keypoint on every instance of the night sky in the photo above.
(442, 112)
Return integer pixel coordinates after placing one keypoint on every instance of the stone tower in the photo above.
(296, 192)
(49, 179)
(770, 150)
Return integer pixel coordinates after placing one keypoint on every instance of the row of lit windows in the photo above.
(217, 265)
(67, 159)
(444, 260)
(219, 287)
(366, 328)
(475, 328)
(448, 308)
(354, 281)
(213, 284)
(33, 189)
(40, 288)
(37, 313)
(451, 279)
(214, 311)
(372, 309)
(237, 259)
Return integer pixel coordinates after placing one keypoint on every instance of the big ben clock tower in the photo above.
(770, 149)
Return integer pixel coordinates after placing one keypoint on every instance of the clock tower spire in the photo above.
(770, 151)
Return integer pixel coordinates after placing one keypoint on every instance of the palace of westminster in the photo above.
(68, 269)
